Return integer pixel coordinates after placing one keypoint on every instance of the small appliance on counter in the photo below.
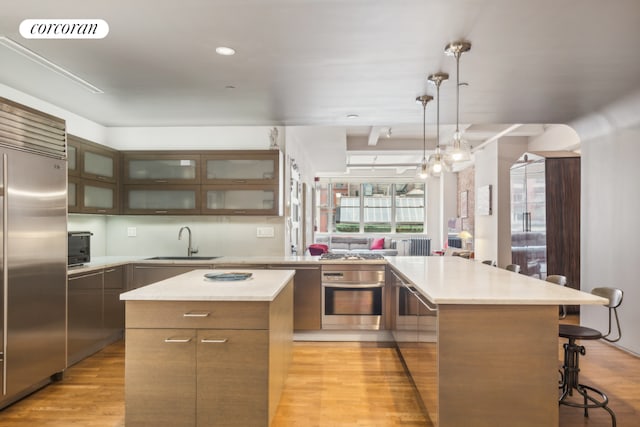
(79, 248)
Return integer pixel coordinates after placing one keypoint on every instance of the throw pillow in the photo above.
(377, 243)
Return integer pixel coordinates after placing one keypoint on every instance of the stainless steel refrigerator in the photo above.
(33, 251)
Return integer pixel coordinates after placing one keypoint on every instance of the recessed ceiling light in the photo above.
(352, 116)
(225, 51)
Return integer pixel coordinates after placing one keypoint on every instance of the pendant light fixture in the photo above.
(459, 150)
(436, 161)
(423, 172)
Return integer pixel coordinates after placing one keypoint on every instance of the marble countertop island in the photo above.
(455, 280)
(263, 285)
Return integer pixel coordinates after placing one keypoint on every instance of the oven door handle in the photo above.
(353, 285)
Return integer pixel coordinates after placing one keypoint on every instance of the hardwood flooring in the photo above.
(330, 384)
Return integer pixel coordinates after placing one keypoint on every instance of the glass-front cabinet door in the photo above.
(242, 167)
(99, 165)
(72, 195)
(159, 168)
(99, 198)
(72, 158)
(240, 200)
(162, 200)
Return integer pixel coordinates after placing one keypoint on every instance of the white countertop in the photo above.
(264, 285)
(455, 280)
(98, 263)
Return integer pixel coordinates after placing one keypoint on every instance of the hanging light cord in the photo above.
(438, 116)
(424, 130)
(458, 53)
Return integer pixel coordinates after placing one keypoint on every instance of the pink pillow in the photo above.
(377, 243)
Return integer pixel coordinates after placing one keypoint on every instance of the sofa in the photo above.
(360, 244)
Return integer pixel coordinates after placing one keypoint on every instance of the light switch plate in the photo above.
(132, 232)
(265, 232)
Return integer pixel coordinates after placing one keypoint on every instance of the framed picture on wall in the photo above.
(464, 205)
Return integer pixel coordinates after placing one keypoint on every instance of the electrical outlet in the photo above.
(265, 232)
(132, 232)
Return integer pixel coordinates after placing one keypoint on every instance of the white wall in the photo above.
(76, 125)
(493, 165)
(555, 137)
(190, 138)
(610, 202)
(485, 239)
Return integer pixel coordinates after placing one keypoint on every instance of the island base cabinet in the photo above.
(232, 378)
(497, 362)
(185, 366)
(159, 377)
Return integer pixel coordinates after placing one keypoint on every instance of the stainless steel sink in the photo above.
(184, 258)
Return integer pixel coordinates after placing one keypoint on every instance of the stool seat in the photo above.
(579, 332)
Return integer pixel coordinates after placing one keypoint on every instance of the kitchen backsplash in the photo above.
(158, 236)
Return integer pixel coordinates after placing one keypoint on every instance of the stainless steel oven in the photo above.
(352, 296)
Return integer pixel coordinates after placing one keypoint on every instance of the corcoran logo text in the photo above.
(64, 28)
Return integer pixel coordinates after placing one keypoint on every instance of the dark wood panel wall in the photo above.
(563, 218)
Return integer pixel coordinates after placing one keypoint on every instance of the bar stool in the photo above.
(513, 267)
(560, 281)
(572, 352)
(490, 262)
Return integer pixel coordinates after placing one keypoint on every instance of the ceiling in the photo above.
(313, 62)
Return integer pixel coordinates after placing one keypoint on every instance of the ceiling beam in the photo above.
(374, 135)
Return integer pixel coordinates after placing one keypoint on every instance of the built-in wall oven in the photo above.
(352, 296)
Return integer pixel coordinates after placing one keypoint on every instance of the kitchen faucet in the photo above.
(190, 250)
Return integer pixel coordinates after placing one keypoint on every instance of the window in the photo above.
(343, 207)
(410, 208)
(377, 208)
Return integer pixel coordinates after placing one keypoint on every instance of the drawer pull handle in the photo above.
(210, 341)
(196, 314)
(177, 340)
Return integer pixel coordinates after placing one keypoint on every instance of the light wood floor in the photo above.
(330, 384)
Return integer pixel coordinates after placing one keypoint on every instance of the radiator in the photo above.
(455, 242)
(420, 246)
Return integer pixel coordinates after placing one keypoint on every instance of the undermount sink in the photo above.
(184, 258)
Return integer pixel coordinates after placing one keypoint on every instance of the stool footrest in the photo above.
(569, 382)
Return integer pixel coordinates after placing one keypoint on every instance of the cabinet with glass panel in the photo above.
(162, 199)
(93, 177)
(240, 200)
(241, 167)
(161, 168)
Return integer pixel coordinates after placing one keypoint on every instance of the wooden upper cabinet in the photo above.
(162, 199)
(73, 158)
(93, 177)
(243, 199)
(92, 161)
(161, 168)
(241, 167)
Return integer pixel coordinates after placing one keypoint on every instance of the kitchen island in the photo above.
(201, 352)
(484, 346)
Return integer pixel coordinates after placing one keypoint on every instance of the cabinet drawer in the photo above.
(198, 314)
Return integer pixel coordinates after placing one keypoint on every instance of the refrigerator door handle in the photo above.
(3, 265)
